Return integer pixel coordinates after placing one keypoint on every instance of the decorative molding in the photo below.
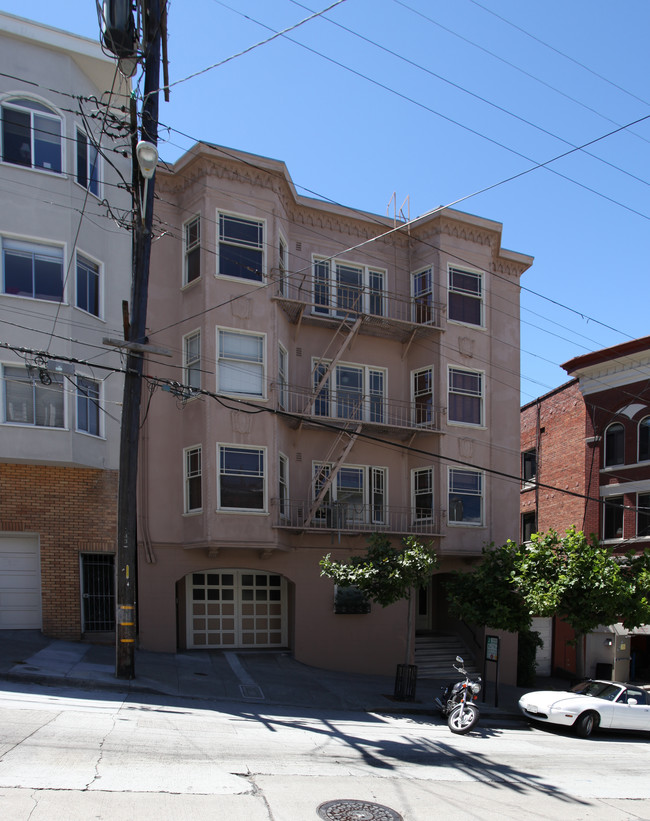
(466, 447)
(241, 422)
(240, 307)
(466, 345)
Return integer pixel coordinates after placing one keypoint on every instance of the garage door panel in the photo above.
(15, 562)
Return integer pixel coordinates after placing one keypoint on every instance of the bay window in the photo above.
(465, 501)
(87, 163)
(30, 400)
(32, 270)
(31, 135)
(88, 408)
(465, 397)
(240, 363)
(342, 287)
(465, 297)
(241, 247)
(241, 479)
(350, 392)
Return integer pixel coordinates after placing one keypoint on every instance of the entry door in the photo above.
(236, 609)
(98, 592)
(423, 608)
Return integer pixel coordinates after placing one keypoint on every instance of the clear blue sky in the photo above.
(436, 101)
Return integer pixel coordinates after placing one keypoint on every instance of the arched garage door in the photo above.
(229, 609)
(20, 583)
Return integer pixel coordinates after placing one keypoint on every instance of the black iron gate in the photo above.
(98, 592)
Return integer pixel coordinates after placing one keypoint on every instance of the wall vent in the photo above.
(298, 457)
(299, 246)
(298, 351)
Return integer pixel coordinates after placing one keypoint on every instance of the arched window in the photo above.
(644, 439)
(614, 445)
(31, 134)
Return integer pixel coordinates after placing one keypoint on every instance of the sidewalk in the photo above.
(253, 677)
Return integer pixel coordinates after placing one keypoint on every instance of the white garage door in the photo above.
(544, 654)
(20, 583)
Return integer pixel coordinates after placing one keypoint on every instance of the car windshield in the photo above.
(597, 689)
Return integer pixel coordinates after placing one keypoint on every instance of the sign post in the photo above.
(492, 654)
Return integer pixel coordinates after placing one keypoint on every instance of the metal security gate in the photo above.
(98, 592)
(236, 609)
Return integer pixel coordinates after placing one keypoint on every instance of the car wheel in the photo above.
(585, 724)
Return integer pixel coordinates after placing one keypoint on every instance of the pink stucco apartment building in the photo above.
(338, 374)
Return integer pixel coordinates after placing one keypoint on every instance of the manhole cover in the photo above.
(348, 810)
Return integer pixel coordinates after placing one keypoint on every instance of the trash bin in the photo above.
(405, 680)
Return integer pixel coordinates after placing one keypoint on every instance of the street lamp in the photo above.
(147, 155)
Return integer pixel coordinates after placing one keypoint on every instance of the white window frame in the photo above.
(91, 148)
(247, 366)
(192, 360)
(416, 393)
(451, 489)
(90, 401)
(465, 392)
(424, 312)
(47, 251)
(86, 260)
(283, 265)
(263, 475)
(38, 395)
(283, 486)
(331, 297)
(25, 103)
(191, 473)
(283, 377)
(256, 246)
(371, 476)
(478, 296)
(373, 403)
(191, 247)
(427, 471)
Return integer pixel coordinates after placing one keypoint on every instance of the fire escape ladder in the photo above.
(327, 484)
(347, 341)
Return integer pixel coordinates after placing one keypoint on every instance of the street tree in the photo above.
(487, 594)
(573, 577)
(386, 574)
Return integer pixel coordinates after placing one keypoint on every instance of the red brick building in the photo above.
(585, 451)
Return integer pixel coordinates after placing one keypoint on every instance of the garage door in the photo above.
(235, 609)
(20, 583)
(544, 654)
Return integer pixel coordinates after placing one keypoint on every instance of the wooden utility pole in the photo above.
(125, 632)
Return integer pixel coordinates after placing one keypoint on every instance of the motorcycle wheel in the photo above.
(461, 723)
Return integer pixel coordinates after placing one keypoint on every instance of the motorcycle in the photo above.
(456, 703)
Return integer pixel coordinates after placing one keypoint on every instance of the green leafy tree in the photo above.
(386, 574)
(571, 576)
(487, 595)
(582, 581)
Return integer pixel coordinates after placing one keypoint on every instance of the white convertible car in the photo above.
(589, 705)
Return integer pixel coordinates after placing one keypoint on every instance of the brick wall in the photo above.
(557, 425)
(74, 511)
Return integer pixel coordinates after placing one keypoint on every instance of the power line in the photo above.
(314, 420)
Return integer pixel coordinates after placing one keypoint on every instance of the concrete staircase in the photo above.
(435, 654)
